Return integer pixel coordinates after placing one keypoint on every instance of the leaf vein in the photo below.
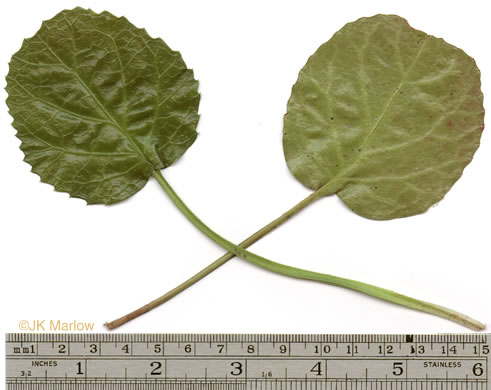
(59, 108)
(393, 98)
(99, 103)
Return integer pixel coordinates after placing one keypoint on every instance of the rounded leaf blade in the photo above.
(386, 114)
(98, 105)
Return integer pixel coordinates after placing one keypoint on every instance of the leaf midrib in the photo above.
(104, 110)
(370, 135)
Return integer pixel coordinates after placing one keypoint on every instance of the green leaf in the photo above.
(385, 116)
(99, 105)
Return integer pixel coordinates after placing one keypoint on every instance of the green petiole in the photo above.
(240, 251)
(382, 115)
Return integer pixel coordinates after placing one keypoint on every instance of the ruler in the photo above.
(247, 362)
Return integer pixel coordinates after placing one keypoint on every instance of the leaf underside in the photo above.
(389, 113)
(98, 105)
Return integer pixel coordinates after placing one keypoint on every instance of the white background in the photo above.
(64, 260)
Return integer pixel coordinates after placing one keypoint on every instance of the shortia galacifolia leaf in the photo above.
(383, 115)
(99, 105)
(386, 113)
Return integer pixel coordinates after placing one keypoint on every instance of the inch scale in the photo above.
(247, 362)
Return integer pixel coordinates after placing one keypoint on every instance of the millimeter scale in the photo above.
(247, 362)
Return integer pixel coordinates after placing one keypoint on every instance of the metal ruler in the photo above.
(247, 362)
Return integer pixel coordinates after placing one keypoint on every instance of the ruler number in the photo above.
(484, 350)
(477, 369)
(452, 349)
(389, 349)
(238, 370)
(473, 351)
(156, 368)
(325, 349)
(420, 349)
(398, 369)
(348, 349)
(317, 369)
